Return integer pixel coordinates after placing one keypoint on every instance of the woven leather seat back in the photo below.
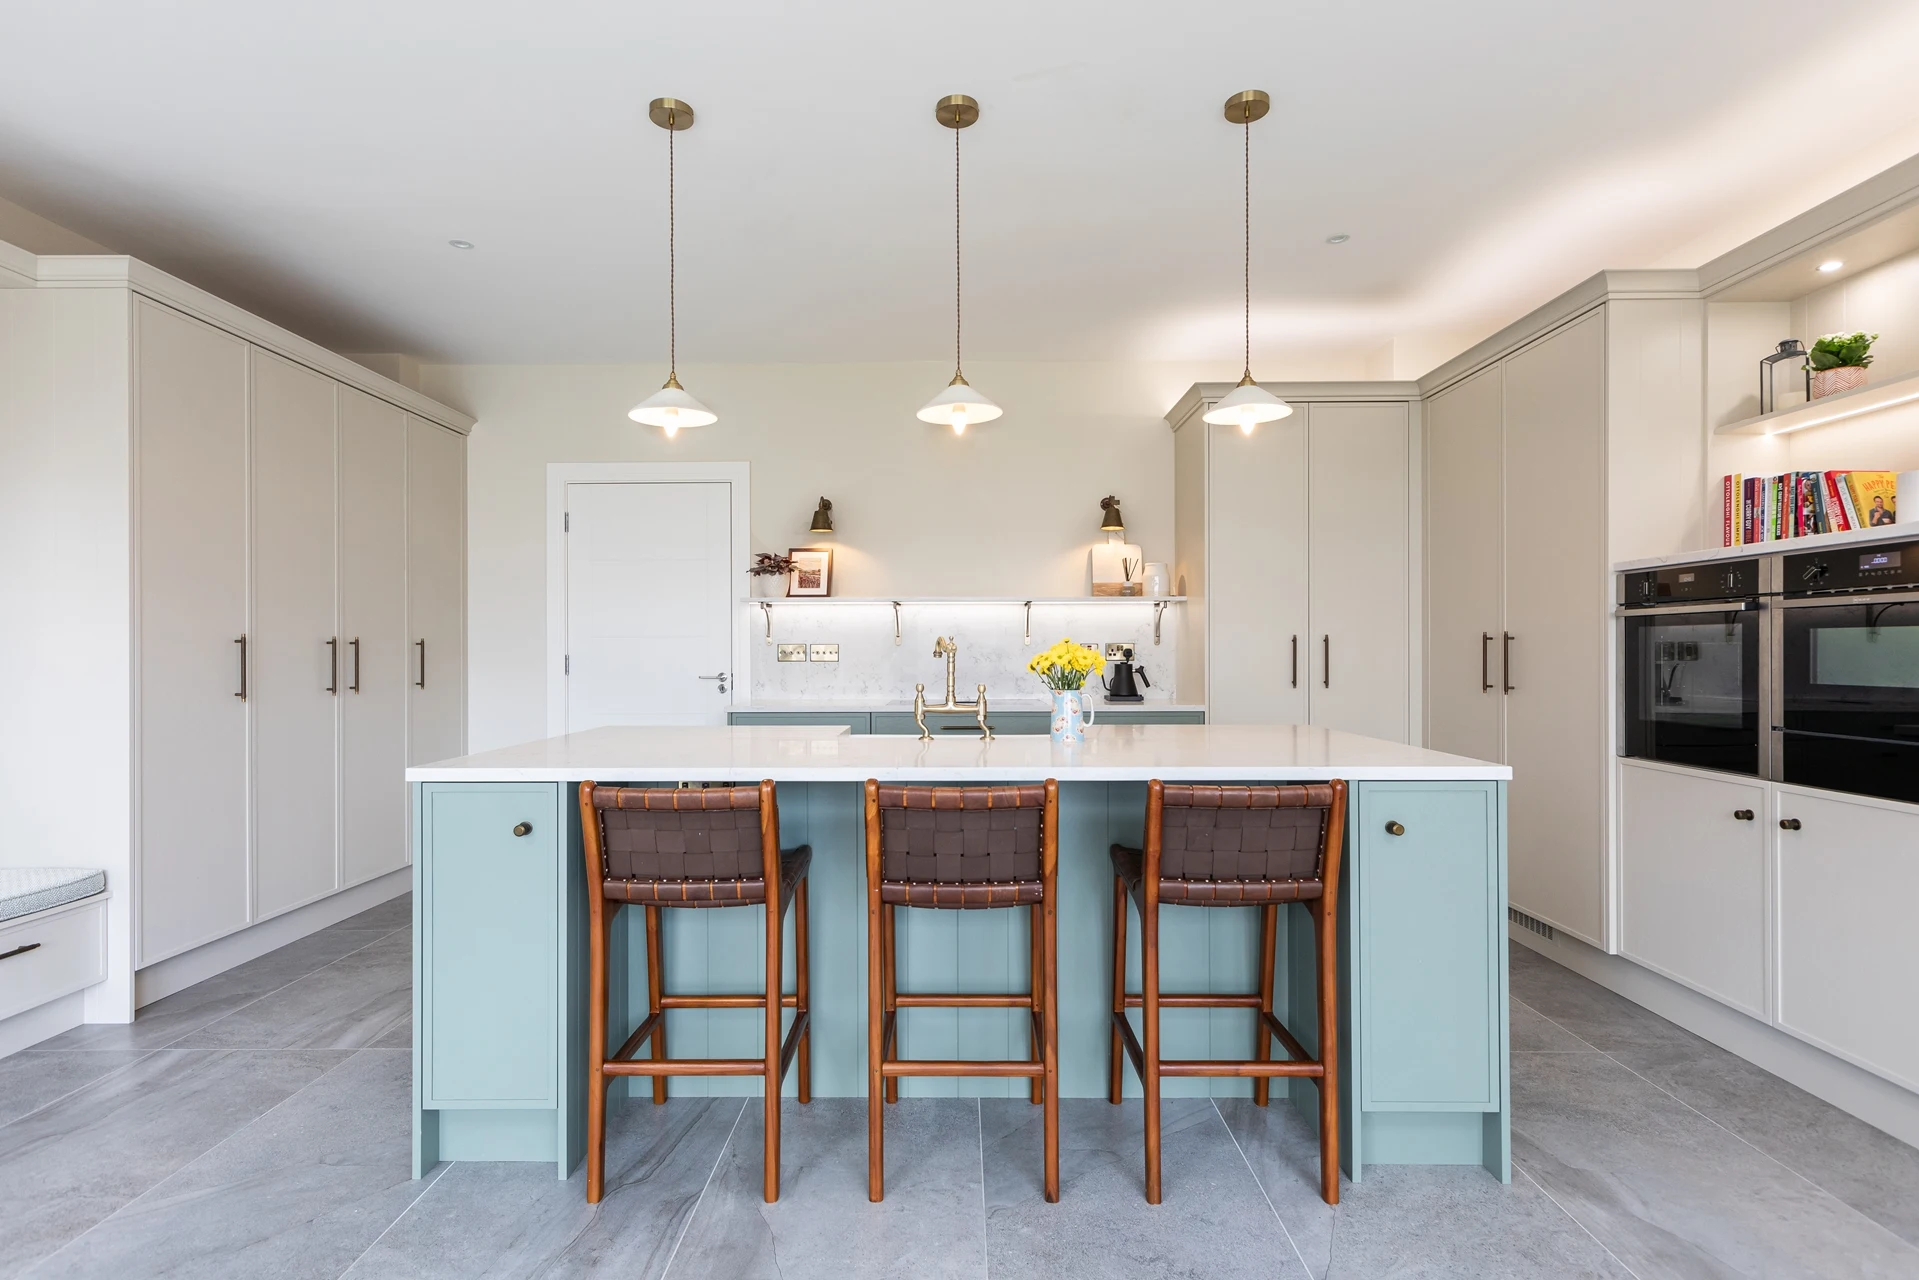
(1243, 833)
(661, 833)
(961, 835)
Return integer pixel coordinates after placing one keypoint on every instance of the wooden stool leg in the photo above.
(1036, 931)
(1326, 940)
(875, 1029)
(1268, 946)
(892, 996)
(774, 1008)
(1049, 1018)
(1149, 1027)
(803, 966)
(1116, 1051)
(595, 1057)
(655, 986)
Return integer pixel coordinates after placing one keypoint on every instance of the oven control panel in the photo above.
(1852, 568)
(1676, 584)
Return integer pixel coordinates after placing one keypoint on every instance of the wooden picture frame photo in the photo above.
(812, 572)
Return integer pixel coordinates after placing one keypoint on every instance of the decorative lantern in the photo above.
(1790, 349)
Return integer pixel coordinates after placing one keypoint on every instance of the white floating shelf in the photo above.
(1870, 398)
(1007, 600)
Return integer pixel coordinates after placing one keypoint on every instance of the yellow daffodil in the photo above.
(1067, 665)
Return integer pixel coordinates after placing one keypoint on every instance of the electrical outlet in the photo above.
(1119, 652)
(823, 653)
(792, 653)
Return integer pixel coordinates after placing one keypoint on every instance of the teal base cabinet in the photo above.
(500, 992)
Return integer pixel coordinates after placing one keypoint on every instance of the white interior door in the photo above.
(1464, 584)
(436, 592)
(191, 412)
(296, 657)
(374, 662)
(649, 603)
(1359, 479)
(1258, 645)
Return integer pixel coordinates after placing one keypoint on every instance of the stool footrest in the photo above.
(688, 1067)
(959, 1067)
(1195, 1000)
(753, 1001)
(965, 1000)
(1203, 1067)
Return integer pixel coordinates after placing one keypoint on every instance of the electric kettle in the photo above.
(1121, 687)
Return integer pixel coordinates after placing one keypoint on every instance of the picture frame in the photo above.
(812, 572)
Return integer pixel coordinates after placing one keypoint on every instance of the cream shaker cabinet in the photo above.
(192, 859)
(1305, 556)
(436, 591)
(1465, 571)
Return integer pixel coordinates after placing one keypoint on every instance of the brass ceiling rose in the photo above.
(1248, 105)
(670, 113)
(956, 111)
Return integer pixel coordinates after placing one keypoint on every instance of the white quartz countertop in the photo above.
(846, 705)
(1112, 753)
(1784, 546)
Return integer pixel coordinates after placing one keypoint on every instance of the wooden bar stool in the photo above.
(713, 847)
(960, 848)
(1210, 846)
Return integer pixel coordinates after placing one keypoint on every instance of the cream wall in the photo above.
(35, 234)
(1011, 508)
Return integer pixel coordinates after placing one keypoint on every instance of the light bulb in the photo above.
(959, 421)
(1246, 426)
(671, 428)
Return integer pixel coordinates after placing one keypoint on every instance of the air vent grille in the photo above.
(1524, 921)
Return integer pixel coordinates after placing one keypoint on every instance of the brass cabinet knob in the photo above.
(1789, 824)
(523, 829)
(1395, 829)
(1743, 815)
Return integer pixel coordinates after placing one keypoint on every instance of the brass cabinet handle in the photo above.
(1506, 661)
(1395, 829)
(421, 682)
(523, 829)
(1743, 815)
(355, 642)
(333, 661)
(1485, 667)
(242, 695)
(1789, 824)
(19, 950)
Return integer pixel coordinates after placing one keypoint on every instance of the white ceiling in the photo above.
(311, 158)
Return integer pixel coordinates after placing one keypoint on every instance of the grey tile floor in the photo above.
(256, 1125)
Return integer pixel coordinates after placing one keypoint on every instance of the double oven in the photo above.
(1799, 667)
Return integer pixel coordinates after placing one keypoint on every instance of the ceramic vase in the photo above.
(1072, 714)
(769, 586)
(1830, 382)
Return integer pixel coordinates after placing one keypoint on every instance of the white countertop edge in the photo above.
(965, 773)
(829, 706)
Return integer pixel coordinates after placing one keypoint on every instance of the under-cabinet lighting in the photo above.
(1908, 398)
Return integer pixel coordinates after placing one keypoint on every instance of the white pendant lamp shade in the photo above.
(959, 406)
(1248, 405)
(671, 408)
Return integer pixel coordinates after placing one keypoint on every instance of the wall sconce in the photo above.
(1790, 349)
(823, 517)
(1110, 522)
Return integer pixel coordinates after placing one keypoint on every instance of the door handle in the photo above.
(1506, 662)
(1742, 815)
(721, 677)
(333, 664)
(1485, 661)
(1789, 824)
(242, 695)
(1325, 662)
(421, 682)
(1295, 662)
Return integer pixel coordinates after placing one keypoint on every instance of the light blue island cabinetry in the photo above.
(500, 918)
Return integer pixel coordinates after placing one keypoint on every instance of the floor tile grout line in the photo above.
(701, 1198)
(1723, 1127)
(1284, 1229)
(1527, 1174)
(985, 1251)
(184, 1165)
(445, 1168)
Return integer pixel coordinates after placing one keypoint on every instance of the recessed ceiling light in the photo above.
(461, 244)
(1338, 238)
(1831, 264)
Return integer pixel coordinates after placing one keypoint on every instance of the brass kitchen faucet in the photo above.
(944, 647)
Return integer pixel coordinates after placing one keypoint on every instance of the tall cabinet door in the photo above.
(1464, 581)
(1256, 541)
(374, 655)
(297, 660)
(190, 409)
(1362, 499)
(1556, 611)
(436, 591)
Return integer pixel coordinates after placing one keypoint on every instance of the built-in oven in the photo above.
(1693, 644)
(1846, 714)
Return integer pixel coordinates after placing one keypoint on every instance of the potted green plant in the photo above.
(1838, 362)
(769, 572)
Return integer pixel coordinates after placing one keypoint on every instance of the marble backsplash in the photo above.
(872, 669)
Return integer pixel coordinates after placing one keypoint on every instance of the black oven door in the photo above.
(1690, 688)
(1849, 696)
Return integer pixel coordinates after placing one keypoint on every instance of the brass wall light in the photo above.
(671, 408)
(823, 517)
(1110, 519)
(1247, 405)
(958, 405)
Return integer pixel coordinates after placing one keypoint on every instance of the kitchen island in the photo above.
(500, 930)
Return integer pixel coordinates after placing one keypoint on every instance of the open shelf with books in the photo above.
(1799, 504)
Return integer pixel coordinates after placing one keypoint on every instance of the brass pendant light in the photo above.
(1248, 404)
(958, 405)
(671, 408)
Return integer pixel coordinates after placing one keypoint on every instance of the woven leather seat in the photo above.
(1235, 846)
(713, 847)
